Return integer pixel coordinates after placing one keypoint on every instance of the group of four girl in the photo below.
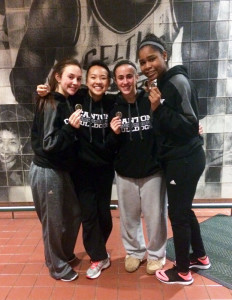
(76, 153)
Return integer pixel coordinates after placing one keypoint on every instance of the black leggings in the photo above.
(182, 176)
(94, 186)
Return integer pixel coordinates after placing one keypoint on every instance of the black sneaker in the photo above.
(198, 263)
(72, 275)
(171, 276)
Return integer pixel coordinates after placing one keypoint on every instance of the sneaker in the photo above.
(198, 263)
(171, 276)
(132, 263)
(96, 267)
(154, 265)
(72, 275)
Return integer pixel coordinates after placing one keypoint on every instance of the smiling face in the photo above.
(69, 81)
(152, 62)
(10, 147)
(97, 81)
(126, 79)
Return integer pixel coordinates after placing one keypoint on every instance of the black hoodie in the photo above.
(92, 134)
(136, 151)
(53, 140)
(177, 116)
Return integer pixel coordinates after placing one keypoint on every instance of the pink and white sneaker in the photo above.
(96, 267)
(171, 276)
(198, 263)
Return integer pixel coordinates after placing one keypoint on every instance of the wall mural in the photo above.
(34, 34)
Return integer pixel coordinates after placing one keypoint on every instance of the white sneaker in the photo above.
(96, 267)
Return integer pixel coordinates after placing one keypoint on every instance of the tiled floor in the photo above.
(23, 274)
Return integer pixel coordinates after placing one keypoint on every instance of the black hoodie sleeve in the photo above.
(178, 113)
(57, 136)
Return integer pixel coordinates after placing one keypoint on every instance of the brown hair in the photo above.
(124, 62)
(58, 68)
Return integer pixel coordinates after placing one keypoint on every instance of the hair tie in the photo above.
(148, 43)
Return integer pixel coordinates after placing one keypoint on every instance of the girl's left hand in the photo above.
(74, 119)
(154, 97)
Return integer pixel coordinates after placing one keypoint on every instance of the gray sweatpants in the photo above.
(58, 209)
(146, 197)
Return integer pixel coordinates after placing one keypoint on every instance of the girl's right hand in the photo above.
(154, 97)
(43, 90)
(75, 118)
(116, 124)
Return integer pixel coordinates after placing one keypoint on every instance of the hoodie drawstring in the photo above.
(103, 124)
(140, 129)
(130, 125)
(90, 121)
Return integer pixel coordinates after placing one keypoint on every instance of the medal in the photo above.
(151, 84)
(118, 114)
(78, 106)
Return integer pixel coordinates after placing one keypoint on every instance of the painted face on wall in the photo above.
(126, 79)
(153, 64)
(97, 81)
(70, 80)
(133, 11)
(10, 147)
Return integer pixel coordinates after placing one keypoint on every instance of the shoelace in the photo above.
(94, 264)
